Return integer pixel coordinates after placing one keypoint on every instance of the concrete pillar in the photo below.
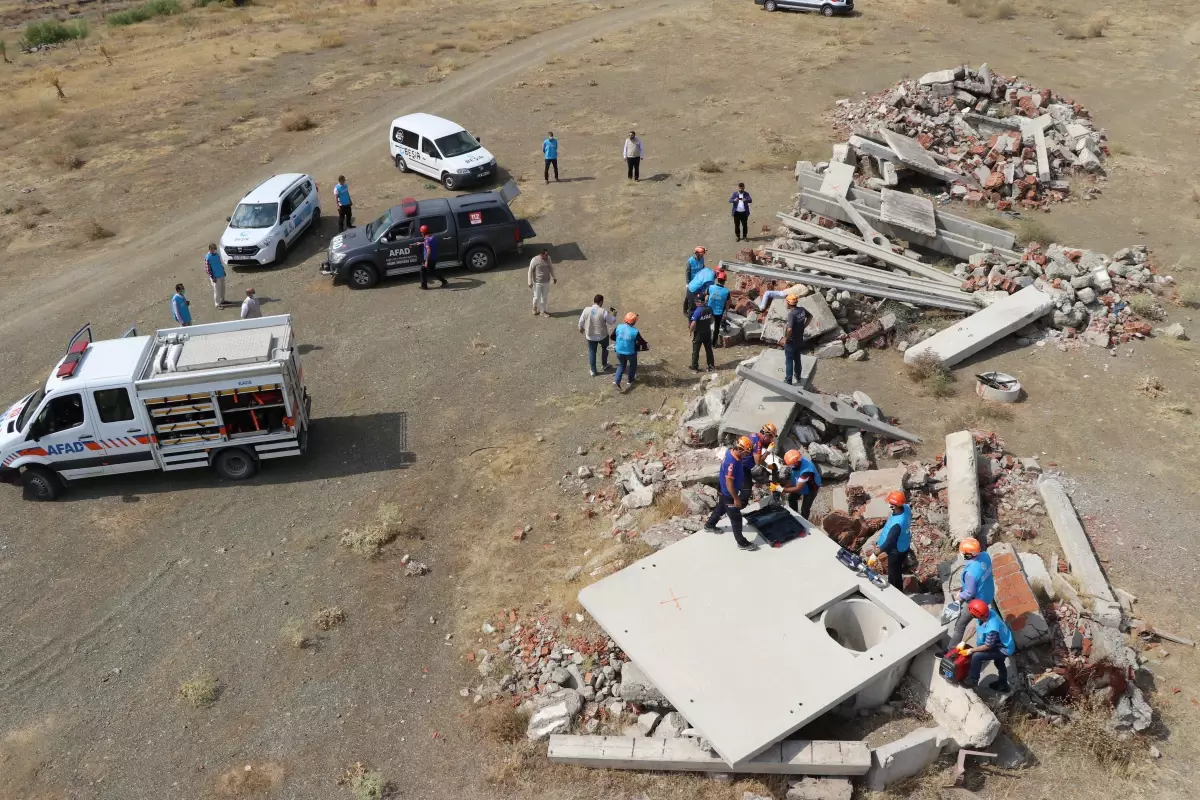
(962, 470)
(1078, 549)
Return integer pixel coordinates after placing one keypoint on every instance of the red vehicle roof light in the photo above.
(409, 204)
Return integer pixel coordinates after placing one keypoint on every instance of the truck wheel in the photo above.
(280, 253)
(362, 276)
(827, 11)
(480, 259)
(770, 5)
(449, 181)
(40, 484)
(401, 164)
(235, 464)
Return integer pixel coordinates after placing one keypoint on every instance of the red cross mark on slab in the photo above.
(674, 599)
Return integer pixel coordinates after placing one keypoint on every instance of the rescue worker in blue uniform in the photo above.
(761, 444)
(734, 488)
(977, 583)
(895, 538)
(695, 266)
(628, 341)
(718, 299)
(429, 253)
(993, 642)
(804, 482)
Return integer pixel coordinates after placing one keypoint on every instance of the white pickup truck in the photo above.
(226, 395)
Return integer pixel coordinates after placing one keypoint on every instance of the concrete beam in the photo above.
(789, 757)
(982, 328)
(1078, 550)
(966, 719)
(752, 406)
(962, 470)
(905, 757)
(914, 156)
(845, 269)
(871, 290)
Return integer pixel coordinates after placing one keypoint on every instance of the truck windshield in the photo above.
(457, 144)
(379, 226)
(254, 215)
(34, 401)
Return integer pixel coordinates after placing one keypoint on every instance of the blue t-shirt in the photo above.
(694, 265)
(429, 247)
(550, 148)
(731, 465)
(995, 625)
(701, 279)
(179, 309)
(626, 339)
(215, 268)
(977, 581)
(343, 194)
(718, 296)
(807, 467)
(896, 530)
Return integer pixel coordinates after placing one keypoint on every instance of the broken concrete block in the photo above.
(700, 432)
(962, 467)
(714, 402)
(1102, 281)
(858, 355)
(821, 319)
(959, 712)
(554, 713)
(904, 758)
(982, 328)
(1133, 713)
(637, 688)
(1015, 598)
(878, 483)
(696, 466)
(844, 154)
(940, 76)
(834, 349)
(667, 532)
(1038, 577)
(672, 726)
(820, 789)
(1047, 683)
(775, 324)
(639, 498)
(856, 448)
(824, 454)
(1078, 549)
(698, 499)
(647, 722)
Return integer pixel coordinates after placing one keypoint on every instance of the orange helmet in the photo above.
(978, 609)
(969, 546)
(791, 458)
(424, 229)
(699, 251)
(744, 443)
(895, 498)
(769, 429)
(720, 274)
(631, 318)
(792, 300)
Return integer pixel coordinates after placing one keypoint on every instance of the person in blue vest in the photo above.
(895, 537)
(733, 492)
(699, 276)
(429, 253)
(993, 642)
(804, 483)
(695, 263)
(180, 312)
(628, 341)
(977, 582)
(550, 154)
(345, 208)
(718, 301)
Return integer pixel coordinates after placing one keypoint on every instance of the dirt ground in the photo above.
(115, 597)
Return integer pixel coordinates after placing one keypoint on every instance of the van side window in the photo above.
(61, 414)
(428, 148)
(307, 189)
(113, 405)
(435, 224)
(481, 217)
(406, 138)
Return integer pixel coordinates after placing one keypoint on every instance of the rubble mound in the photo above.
(1013, 144)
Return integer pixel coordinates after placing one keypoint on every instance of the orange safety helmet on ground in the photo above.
(895, 498)
(743, 443)
(969, 546)
(792, 300)
(631, 318)
(424, 229)
(792, 457)
(699, 251)
(978, 609)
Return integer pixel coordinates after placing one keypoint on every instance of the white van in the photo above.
(441, 149)
(270, 218)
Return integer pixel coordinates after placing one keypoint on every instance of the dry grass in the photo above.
(363, 783)
(1152, 386)
(973, 9)
(329, 618)
(924, 367)
(1189, 295)
(373, 537)
(250, 780)
(664, 507)
(1034, 230)
(979, 417)
(296, 121)
(293, 633)
(93, 231)
(200, 691)
(64, 155)
(433, 48)
(940, 384)
(1093, 29)
(503, 724)
(1146, 307)
(709, 167)
(331, 40)
(1182, 409)
(1003, 10)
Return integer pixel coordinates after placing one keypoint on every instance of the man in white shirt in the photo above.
(633, 152)
(595, 324)
(541, 275)
(250, 306)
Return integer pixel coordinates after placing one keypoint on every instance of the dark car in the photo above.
(472, 229)
(827, 7)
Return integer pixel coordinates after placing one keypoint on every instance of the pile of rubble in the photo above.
(998, 141)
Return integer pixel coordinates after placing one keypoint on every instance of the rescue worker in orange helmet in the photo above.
(803, 482)
(733, 489)
(895, 538)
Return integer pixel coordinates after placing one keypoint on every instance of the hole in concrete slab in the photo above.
(858, 624)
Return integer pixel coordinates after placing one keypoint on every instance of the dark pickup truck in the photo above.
(472, 229)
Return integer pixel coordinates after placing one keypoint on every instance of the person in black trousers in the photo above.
(701, 325)
(740, 201)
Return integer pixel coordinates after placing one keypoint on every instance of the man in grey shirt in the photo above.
(595, 324)
(541, 275)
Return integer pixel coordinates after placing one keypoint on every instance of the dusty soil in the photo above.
(127, 589)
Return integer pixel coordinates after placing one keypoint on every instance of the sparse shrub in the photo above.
(923, 367)
(329, 618)
(973, 9)
(940, 384)
(296, 121)
(1189, 295)
(995, 413)
(200, 691)
(64, 155)
(504, 724)
(93, 231)
(468, 47)
(51, 31)
(1146, 307)
(364, 784)
(1034, 230)
(709, 167)
(401, 79)
(1096, 28)
(438, 46)
(148, 10)
(331, 40)
(292, 632)
(1004, 10)
(1152, 386)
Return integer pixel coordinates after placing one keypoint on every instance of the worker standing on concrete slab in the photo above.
(740, 201)
(977, 583)
(216, 274)
(541, 275)
(628, 341)
(895, 538)
(993, 642)
(429, 253)
(793, 340)
(595, 324)
(804, 483)
(718, 300)
(701, 326)
(733, 485)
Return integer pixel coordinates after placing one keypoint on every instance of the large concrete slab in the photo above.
(909, 211)
(820, 316)
(1078, 550)
(914, 156)
(958, 711)
(982, 328)
(962, 472)
(753, 406)
(699, 615)
(782, 758)
(838, 179)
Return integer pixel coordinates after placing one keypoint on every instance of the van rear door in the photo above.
(121, 430)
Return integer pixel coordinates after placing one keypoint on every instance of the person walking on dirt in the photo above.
(718, 299)
(740, 200)
(732, 482)
(550, 154)
(180, 311)
(793, 340)
(595, 324)
(429, 252)
(541, 275)
(701, 327)
(345, 208)
(633, 153)
(216, 274)
(628, 342)
(251, 309)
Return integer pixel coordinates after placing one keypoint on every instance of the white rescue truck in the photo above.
(226, 395)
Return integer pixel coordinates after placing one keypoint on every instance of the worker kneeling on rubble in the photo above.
(803, 482)
(977, 583)
(895, 538)
(993, 642)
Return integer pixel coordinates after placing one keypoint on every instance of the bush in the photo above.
(1032, 230)
(1189, 295)
(296, 121)
(331, 40)
(925, 366)
(148, 10)
(51, 31)
(94, 231)
(709, 167)
(1004, 10)
(64, 155)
